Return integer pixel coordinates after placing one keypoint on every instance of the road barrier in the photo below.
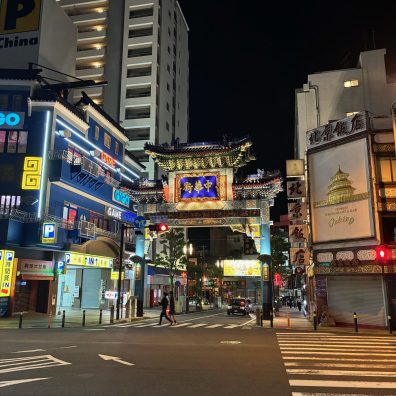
(100, 316)
(356, 322)
(112, 314)
(83, 321)
(63, 318)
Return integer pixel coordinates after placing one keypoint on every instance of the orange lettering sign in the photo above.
(108, 159)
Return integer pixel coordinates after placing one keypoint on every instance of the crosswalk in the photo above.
(185, 325)
(327, 364)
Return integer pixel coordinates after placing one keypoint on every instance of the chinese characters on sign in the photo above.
(6, 270)
(298, 233)
(199, 187)
(299, 256)
(297, 211)
(296, 189)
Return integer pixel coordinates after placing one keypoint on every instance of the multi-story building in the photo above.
(141, 49)
(344, 130)
(61, 197)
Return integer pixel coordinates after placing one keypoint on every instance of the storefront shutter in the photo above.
(91, 288)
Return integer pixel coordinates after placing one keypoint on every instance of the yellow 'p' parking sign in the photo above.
(18, 16)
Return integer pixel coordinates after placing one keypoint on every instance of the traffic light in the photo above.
(383, 254)
(161, 227)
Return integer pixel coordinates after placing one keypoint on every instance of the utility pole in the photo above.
(120, 271)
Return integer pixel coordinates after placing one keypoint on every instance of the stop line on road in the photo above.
(338, 361)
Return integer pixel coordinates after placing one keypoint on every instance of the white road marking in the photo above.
(354, 373)
(328, 394)
(30, 363)
(336, 353)
(301, 333)
(339, 365)
(213, 326)
(94, 329)
(115, 359)
(179, 325)
(145, 325)
(68, 347)
(343, 384)
(30, 350)
(338, 337)
(336, 359)
(231, 326)
(198, 325)
(22, 381)
(338, 349)
(335, 346)
(332, 343)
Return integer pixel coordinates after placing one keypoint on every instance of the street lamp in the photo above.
(187, 251)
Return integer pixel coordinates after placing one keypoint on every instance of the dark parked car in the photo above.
(239, 305)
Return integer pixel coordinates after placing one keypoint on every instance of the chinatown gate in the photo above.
(200, 189)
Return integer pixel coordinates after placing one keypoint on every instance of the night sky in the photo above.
(247, 58)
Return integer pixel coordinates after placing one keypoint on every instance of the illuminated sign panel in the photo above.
(11, 120)
(19, 16)
(6, 270)
(121, 198)
(127, 217)
(49, 233)
(199, 187)
(242, 268)
(87, 260)
(31, 176)
(107, 159)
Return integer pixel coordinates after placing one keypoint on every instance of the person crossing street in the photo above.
(164, 305)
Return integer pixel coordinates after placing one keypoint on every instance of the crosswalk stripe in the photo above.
(231, 326)
(328, 394)
(343, 384)
(145, 325)
(354, 373)
(214, 326)
(29, 363)
(333, 337)
(335, 346)
(336, 359)
(197, 325)
(301, 333)
(180, 325)
(336, 353)
(289, 342)
(338, 365)
(326, 348)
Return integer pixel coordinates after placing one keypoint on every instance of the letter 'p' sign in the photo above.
(18, 16)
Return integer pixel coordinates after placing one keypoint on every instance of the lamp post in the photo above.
(220, 264)
(187, 251)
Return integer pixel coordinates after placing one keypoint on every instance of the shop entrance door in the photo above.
(66, 288)
(91, 288)
(42, 296)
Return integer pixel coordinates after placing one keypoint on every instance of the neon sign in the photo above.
(11, 120)
(121, 198)
(108, 159)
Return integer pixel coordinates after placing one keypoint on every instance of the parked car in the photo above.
(239, 305)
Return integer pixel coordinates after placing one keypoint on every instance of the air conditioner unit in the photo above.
(87, 229)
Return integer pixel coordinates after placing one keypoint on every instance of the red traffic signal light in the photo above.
(383, 254)
(161, 227)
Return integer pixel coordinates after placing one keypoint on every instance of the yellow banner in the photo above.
(115, 275)
(6, 270)
(87, 260)
(241, 268)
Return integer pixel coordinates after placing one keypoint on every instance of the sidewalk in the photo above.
(291, 319)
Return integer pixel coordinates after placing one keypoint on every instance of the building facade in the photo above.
(344, 131)
(141, 50)
(62, 199)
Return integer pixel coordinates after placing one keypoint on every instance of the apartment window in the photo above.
(8, 202)
(167, 106)
(141, 13)
(17, 102)
(168, 87)
(169, 32)
(116, 147)
(168, 68)
(22, 142)
(386, 169)
(3, 102)
(141, 156)
(167, 126)
(351, 83)
(73, 156)
(107, 140)
(96, 132)
(69, 212)
(16, 141)
(169, 50)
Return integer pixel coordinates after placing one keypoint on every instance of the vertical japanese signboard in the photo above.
(6, 271)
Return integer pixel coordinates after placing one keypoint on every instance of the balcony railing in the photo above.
(108, 234)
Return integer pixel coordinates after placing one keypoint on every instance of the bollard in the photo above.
(315, 323)
(20, 320)
(390, 323)
(63, 318)
(258, 316)
(112, 314)
(356, 322)
(272, 319)
(100, 316)
(49, 319)
(83, 322)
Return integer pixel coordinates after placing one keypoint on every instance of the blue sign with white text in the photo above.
(199, 187)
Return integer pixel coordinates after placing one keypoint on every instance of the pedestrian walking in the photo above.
(299, 304)
(172, 309)
(164, 305)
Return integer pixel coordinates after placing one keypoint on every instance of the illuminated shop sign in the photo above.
(11, 120)
(6, 271)
(241, 268)
(121, 198)
(199, 187)
(87, 260)
(109, 160)
(127, 217)
(31, 176)
(49, 233)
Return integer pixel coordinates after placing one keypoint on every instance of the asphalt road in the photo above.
(207, 353)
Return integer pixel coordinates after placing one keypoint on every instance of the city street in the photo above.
(204, 352)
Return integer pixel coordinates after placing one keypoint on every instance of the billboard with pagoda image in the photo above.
(340, 193)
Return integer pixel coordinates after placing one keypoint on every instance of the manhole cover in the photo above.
(230, 342)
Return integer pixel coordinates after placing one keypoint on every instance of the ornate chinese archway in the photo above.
(200, 189)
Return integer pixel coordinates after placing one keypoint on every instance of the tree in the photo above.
(279, 248)
(172, 257)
